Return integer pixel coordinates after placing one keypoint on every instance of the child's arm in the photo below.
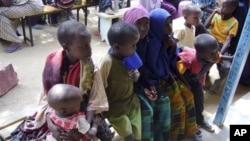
(93, 130)
(90, 115)
(56, 131)
(225, 57)
(210, 18)
(226, 44)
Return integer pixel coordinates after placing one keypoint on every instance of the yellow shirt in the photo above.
(220, 29)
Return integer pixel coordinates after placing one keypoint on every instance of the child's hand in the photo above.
(56, 131)
(169, 42)
(134, 75)
(151, 93)
(217, 10)
(97, 120)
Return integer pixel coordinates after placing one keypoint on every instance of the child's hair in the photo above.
(190, 8)
(204, 42)
(69, 29)
(63, 93)
(121, 32)
(233, 3)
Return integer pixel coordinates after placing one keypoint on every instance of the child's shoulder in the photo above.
(106, 60)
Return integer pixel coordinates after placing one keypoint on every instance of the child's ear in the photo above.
(116, 46)
(65, 47)
(185, 17)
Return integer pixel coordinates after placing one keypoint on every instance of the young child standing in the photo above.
(193, 64)
(223, 26)
(124, 113)
(65, 102)
(185, 35)
(161, 60)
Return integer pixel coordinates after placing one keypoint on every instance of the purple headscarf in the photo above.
(135, 13)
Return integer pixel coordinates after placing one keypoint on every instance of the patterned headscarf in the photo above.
(135, 13)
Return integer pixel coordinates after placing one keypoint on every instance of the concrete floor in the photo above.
(23, 99)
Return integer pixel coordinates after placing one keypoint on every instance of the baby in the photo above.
(65, 101)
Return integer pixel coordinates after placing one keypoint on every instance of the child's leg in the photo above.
(162, 119)
(122, 126)
(127, 127)
(162, 115)
(146, 118)
(190, 116)
(177, 111)
(198, 100)
(135, 120)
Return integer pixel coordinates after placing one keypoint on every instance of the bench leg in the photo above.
(23, 27)
(77, 14)
(85, 15)
(30, 30)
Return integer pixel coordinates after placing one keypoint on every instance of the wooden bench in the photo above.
(50, 10)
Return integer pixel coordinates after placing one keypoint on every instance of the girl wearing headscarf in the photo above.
(155, 111)
(161, 60)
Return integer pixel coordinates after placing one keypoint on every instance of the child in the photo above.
(193, 64)
(223, 27)
(65, 101)
(72, 64)
(161, 60)
(124, 113)
(185, 35)
(155, 111)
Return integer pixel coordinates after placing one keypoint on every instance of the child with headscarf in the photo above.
(157, 128)
(161, 60)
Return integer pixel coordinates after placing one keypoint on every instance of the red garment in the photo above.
(52, 71)
(191, 62)
(68, 123)
(189, 58)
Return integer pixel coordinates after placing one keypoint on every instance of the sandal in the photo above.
(37, 26)
(12, 48)
(205, 125)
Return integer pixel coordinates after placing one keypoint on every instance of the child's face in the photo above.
(227, 8)
(80, 47)
(65, 109)
(168, 26)
(209, 55)
(193, 18)
(143, 27)
(127, 48)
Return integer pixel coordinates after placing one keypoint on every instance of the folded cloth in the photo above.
(12, 48)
